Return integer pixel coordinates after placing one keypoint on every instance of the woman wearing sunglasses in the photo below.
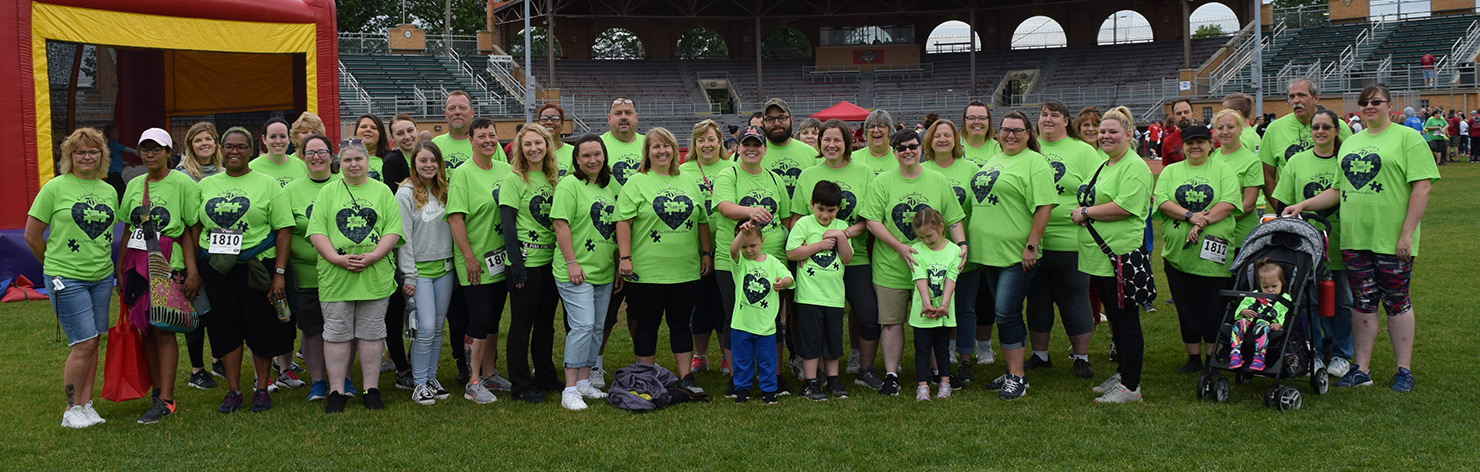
(893, 199)
(354, 226)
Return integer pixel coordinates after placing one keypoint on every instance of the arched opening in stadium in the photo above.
(785, 43)
(539, 38)
(701, 43)
(1039, 32)
(952, 36)
(617, 43)
(1125, 26)
(1213, 19)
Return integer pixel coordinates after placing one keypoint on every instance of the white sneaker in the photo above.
(423, 394)
(598, 377)
(571, 400)
(76, 418)
(92, 414)
(985, 356)
(853, 357)
(1107, 384)
(1320, 364)
(1338, 367)
(589, 392)
(1119, 394)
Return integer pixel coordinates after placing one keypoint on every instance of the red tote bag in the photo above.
(125, 375)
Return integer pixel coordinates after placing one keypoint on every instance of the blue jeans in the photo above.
(81, 306)
(968, 285)
(1333, 336)
(1009, 286)
(585, 310)
(754, 352)
(433, 296)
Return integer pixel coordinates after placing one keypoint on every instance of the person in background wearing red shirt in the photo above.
(1474, 135)
(1427, 61)
(1153, 137)
(1171, 142)
(1453, 120)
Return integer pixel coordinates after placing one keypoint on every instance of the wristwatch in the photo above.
(280, 271)
(1084, 211)
(1189, 216)
(706, 253)
(962, 243)
(1032, 247)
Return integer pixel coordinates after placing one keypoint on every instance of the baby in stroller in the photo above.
(1257, 316)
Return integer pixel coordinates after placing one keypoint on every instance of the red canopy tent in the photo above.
(844, 110)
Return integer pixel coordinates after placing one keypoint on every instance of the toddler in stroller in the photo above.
(1257, 316)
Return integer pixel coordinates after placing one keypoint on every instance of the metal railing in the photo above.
(364, 42)
(499, 66)
(463, 42)
(347, 80)
(1233, 65)
(1462, 49)
(1302, 16)
(464, 69)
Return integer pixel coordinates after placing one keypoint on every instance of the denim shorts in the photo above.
(81, 306)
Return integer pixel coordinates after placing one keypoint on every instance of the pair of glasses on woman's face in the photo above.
(1376, 102)
(317, 152)
(549, 118)
(1322, 127)
(906, 147)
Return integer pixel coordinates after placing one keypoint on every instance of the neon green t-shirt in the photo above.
(854, 179)
(175, 200)
(878, 164)
(765, 190)
(1128, 185)
(1006, 193)
(533, 227)
(756, 303)
(291, 169)
(1377, 175)
(624, 158)
(665, 214)
(590, 211)
(1286, 137)
(355, 218)
(302, 193)
(893, 200)
(253, 204)
(376, 165)
(705, 177)
(455, 152)
(1305, 176)
(1249, 139)
(1197, 188)
(935, 267)
(1438, 133)
(1266, 308)
(564, 159)
(1250, 173)
(473, 192)
(959, 174)
(1072, 162)
(80, 214)
(819, 277)
(980, 155)
(788, 161)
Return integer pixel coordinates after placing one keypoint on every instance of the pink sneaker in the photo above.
(1235, 359)
(944, 392)
(922, 393)
(1258, 364)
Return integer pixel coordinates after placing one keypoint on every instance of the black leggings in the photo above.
(648, 304)
(457, 323)
(931, 342)
(1125, 332)
(1199, 308)
(709, 313)
(532, 331)
(195, 343)
(395, 323)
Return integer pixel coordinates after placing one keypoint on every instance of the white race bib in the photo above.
(224, 241)
(1214, 249)
(136, 240)
(494, 261)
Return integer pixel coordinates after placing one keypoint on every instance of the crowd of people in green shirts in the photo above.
(781, 242)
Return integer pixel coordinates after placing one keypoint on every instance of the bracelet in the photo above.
(624, 258)
(569, 262)
(962, 243)
(706, 253)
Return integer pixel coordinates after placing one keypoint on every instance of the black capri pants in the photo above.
(649, 304)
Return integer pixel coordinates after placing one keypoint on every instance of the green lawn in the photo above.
(1056, 426)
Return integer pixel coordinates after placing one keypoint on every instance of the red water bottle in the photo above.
(1327, 292)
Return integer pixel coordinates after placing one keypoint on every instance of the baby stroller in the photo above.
(1300, 248)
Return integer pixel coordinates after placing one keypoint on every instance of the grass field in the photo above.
(1056, 426)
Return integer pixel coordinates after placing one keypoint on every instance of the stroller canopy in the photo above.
(1293, 233)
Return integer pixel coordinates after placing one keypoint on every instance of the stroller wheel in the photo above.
(1289, 399)
(1204, 387)
(1271, 395)
(1220, 389)
(1319, 382)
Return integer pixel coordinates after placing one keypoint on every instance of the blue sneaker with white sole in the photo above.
(319, 390)
(1355, 378)
(1403, 380)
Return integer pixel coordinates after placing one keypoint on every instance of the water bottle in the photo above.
(1327, 291)
(284, 314)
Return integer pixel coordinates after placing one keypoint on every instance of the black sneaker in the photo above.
(218, 369)
(1191, 367)
(965, 374)
(372, 399)
(202, 380)
(996, 384)
(689, 384)
(1082, 369)
(742, 396)
(891, 385)
(811, 390)
(1034, 363)
(261, 401)
(836, 390)
(405, 382)
(157, 411)
(1013, 387)
(869, 378)
(231, 403)
(769, 398)
(530, 396)
(781, 387)
(463, 375)
(335, 403)
(730, 391)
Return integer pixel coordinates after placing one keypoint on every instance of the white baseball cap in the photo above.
(157, 135)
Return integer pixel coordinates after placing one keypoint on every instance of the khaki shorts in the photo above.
(894, 305)
(360, 319)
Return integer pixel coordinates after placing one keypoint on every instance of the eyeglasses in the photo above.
(1014, 130)
(150, 150)
(1376, 102)
(1322, 127)
(320, 153)
(237, 147)
(906, 147)
(351, 142)
(773, 119)
(877, 125)
(978, 118)
(92, 153)
(550, 118)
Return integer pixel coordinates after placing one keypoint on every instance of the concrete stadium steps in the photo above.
(1413, 38)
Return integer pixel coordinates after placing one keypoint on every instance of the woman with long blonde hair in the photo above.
(524, 200)
(203, 152)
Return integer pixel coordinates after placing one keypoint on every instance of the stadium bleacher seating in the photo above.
(1413, 38)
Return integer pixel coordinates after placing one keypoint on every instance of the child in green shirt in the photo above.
(820, 247)
(937, 266)
(758, 278)
(1257, 316)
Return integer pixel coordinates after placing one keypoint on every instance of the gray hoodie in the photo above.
(427, 235)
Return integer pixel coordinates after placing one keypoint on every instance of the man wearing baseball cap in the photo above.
(785, 157)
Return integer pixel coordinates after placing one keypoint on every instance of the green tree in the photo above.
(537, 40)
(363, 16)
(1208, 31)
(701, 43)
(785, 43)
(617, 43)
(468, 16)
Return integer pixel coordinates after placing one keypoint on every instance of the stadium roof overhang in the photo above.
(774, 9)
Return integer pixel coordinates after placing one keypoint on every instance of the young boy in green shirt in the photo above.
(932, 310)
(758, 278)
(820, 248)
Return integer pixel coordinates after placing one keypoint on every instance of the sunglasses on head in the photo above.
(351, 142)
